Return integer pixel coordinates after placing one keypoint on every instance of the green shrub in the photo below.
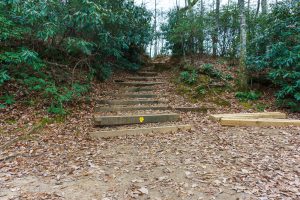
(279, 53)
(189, 77)
(6, 100)
(211, 71)
(201, 90)
(248, 96)
(3, 76)
(47, 46)
(228, 77)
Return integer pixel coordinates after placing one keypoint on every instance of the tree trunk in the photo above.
(243, 79)
(257, 9)
(155, 31)
(264, 7)
(201, 39)
(216, 30)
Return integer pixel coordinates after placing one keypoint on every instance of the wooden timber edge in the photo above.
(155, 130)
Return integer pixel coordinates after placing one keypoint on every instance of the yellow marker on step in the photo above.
(142, 119)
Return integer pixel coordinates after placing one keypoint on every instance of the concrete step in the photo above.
(131, 102)
(115, 108)
(135, 119)
(140, 83)
(155, 130)
(147, 73)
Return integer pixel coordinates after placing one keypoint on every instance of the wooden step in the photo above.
(135, 119)
(140, 83)
(147, 73)
(130, 102)
(155, 130)
(141, 78)
(276, 115)
(129, 108)
(143, 96)
(147, 69)
(261, 122)
(193, 109)
(139, 89)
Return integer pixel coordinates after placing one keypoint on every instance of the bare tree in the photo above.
(243, 79)
(258, 7)
(155, 29)
(264, 8)
(188, 5)
(216, 29)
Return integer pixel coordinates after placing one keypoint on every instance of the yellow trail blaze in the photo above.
(142, 119)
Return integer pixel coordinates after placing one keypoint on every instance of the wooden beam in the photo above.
(130, 102)
(143, 96)
(134, 119)
(262, 122)
(141, 78)
(193, 109)
(130, 108)
(139, 83)
(155, 130)
(139, 89)
(276, 115)
(147, 73)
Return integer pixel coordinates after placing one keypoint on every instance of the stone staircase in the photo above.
(139, 103)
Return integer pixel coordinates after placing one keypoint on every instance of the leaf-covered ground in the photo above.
(53, 158)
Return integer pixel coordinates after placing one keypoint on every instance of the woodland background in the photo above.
(53, 50)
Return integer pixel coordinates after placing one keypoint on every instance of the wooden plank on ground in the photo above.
(193, 109)
(259, 122)
(130, 102)
(276, 115)
(140, 83)
(139, 89)
(134, 119)
(141, 78)
(137, 95)
(147, 73)
(155, 130)
(147, 69)
(129, 108)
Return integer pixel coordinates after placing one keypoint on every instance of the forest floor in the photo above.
(54, 158)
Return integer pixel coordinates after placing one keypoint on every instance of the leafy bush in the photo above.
(6, 100)
(3, 76)
(228, 77)
(211, 71)
(248, 96)
(189, 77)
(201, 90)
(46, 46)
(279, 56)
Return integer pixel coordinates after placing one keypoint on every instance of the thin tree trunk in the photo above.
(257, 9)
(201, 38)
(216, 30)
(243, 79)
(264, 7)
(155, 32)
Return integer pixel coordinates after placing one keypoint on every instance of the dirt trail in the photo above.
(209, 162)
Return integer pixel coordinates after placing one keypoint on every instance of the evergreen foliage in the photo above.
(278, 53)
(273, 45)
(45, 44)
